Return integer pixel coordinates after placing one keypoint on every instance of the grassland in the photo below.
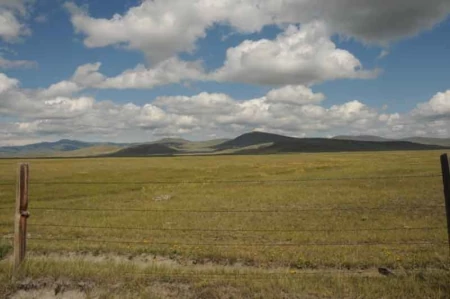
(279, 226)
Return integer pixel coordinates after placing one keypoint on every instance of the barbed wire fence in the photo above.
(21, 214)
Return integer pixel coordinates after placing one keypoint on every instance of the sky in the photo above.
(141, 70)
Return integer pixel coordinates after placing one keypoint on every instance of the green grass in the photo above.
(5, 249)
(299, 213)
(110, 280)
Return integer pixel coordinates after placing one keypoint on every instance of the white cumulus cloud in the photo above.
(303, 55)
(163, 28)
(292, 110)
(7, 83)
(12, 19)
(172, 70)
(438, 105)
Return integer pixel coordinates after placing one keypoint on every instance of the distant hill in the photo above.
(42, 148)
(95, 150)
(362, 138)
(63, 147)
(143, 150)
(75, 148)
(248, 143)
(187, 146)
(168, 146)
(253, 138)
(434, 141)
(311, 145)
(204, 146)
(266, 143)
(421, 140)
(171, 141)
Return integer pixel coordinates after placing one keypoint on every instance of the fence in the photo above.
(22, 214)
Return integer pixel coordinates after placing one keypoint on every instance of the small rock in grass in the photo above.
(385, 271)
(162, 197)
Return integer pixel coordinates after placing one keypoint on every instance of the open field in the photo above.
(278, 226)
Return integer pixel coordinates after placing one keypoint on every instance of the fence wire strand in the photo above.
(224, 181)
(385, 209)
(392, 208)
(232, 230)
(418, 242)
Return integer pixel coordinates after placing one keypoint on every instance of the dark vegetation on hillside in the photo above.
(333, 145)
(63, 145)
(253, 138)
(421, 140)
(249, 143)
(143, 150)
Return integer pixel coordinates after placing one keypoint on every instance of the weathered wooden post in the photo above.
(21, 215)
(446, 181)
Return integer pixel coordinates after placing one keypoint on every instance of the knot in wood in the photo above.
(25, 214)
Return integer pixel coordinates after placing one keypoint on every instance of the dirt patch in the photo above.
(141, 261)
(169, 290)
(48, 294)
(47, 288)
(144, 261)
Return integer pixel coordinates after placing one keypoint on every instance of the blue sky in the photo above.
(188, 69)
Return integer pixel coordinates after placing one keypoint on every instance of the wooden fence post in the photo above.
(446, 181)
(20, 222)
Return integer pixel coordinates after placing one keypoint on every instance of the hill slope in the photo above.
(337, 145)
(421, 140)
(249, 143)
(63, 145)
(253, 138)
(362, 138)
(434, 141)
(143, 150)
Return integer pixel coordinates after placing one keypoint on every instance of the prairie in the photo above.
(266, 226)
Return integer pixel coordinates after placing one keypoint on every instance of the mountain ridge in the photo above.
(255, 142)
(415, 139)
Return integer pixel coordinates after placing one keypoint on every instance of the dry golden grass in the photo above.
(289, 220)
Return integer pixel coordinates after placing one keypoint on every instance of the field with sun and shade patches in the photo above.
(280, 226)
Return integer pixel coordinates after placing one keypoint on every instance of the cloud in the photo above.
(10, 27)
(12, 16)
(295, 95)
(291, 110)
(383, 54)
(58, 112)
(438, 106)
(7, 83)
(170, 71)
(16, 64)
(201, 104)
(160, 29)
(299, 56)
(428, 119)
(63, 88)
(163, 28)
(303, 55)
(87, 75)
(166, 72)
(41, 19)
(53, 102)
(19, 6)
(371, 21)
